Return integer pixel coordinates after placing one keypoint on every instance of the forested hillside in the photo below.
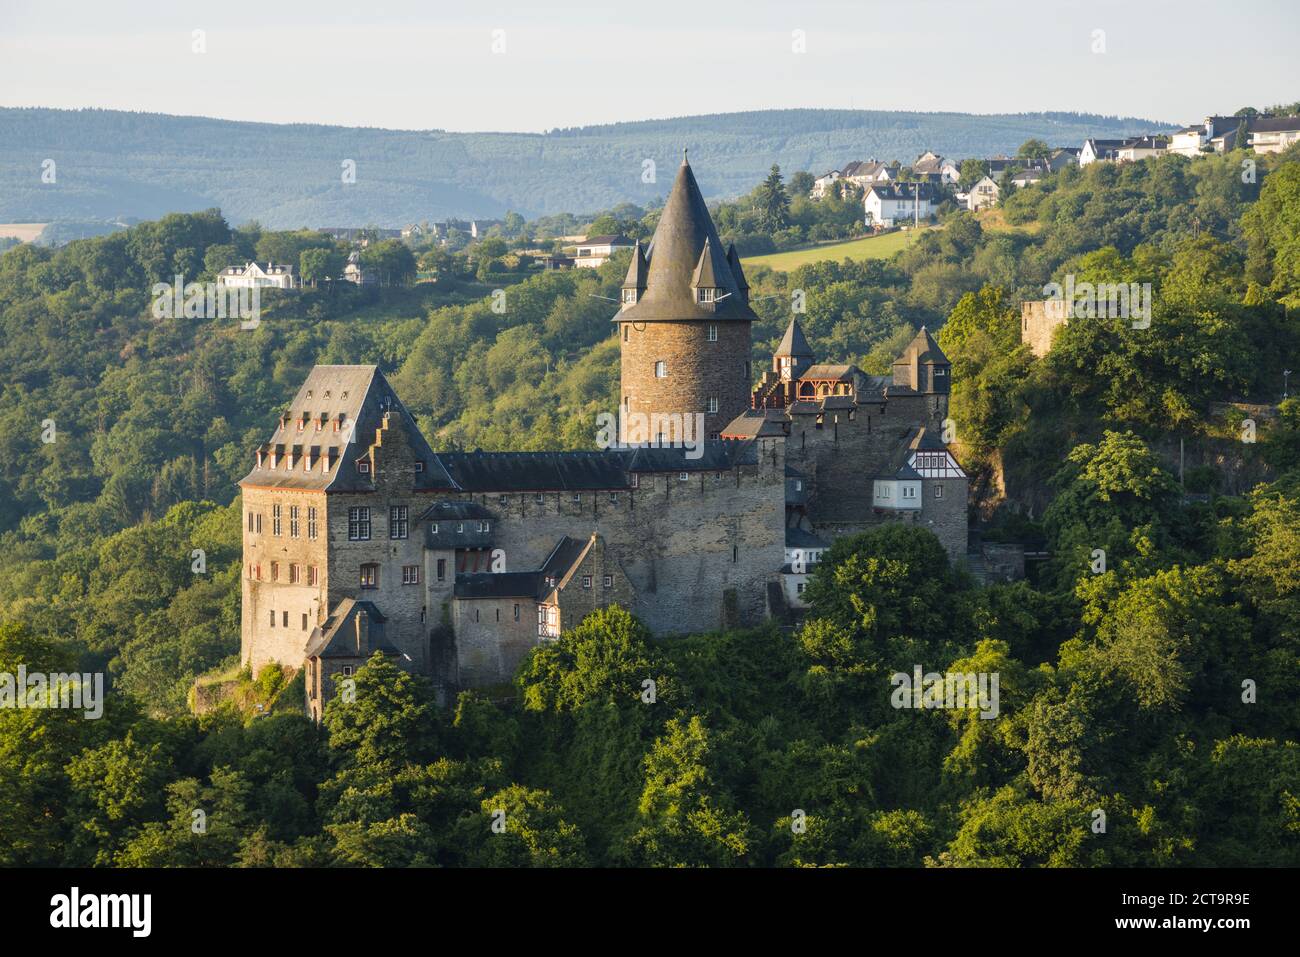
(112, 164)
(1159, 690)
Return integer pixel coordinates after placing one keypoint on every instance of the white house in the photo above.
(983, 193)
(356, 273)
(1141, 147)
(255, 274)
(823, 183)
(896, 204)
(803, 550)
(1027, 177)
(1094, 150)
(596, 250)
(1273, 134)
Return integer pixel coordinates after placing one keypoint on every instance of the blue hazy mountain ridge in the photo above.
(113, 164)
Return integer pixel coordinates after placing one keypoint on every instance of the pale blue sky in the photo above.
(422, 65)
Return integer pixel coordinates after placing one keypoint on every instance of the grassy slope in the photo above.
(869, 247)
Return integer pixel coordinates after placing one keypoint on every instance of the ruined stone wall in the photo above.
(1039, 320)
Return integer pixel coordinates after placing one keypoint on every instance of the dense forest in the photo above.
(111, 164)
(1148, 713)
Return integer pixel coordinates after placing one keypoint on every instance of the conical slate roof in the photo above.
(793, 344)
(923, 349)
(637, 269)
(684, 233)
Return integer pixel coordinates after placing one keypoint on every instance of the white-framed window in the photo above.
(539, 498)
(613, 498)
(369, 575)
(938, 491)
(909, 491)
(713, 332)
(577, 499)
(312, 575)
(629, 296)
(683, 476)
(706, 294)
(398, 524)
(293, 521)
(410, 574)
(634, 480)
(713, 404)
(359, 523)
(484, 526)
(294, 574)
(419, 467)
(347, 671)
(363, 466)
(661, 369)
(276, 526)
(608, 581)
(586, 581)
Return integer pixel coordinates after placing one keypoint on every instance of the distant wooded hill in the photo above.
(121, 166)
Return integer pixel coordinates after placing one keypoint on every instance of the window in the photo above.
(713, 404)
(419, 467)
(608, 581)
(634, 480)
(433, 528)
(293, 521)
(613, 498)
(363, 466)
(501, 500)
(539, 498)
(629, 295)
(294, 569)
(347, 671)
(460, 527)
(312, 578)
(257, 569)
(442, 569)
(410, 574)
(885, 490)
(250, 521)
(359, 524)
(311, 521)
(275, 520)
(661, 369)
(272, 617)
(577, 499)
(683, 476)
(586, 581)
(398, 525)
(370, 575)
(258, 524)
(713, 332)
(706, 294)
(800, 587)
(275, 571)
(938, 491)
(304, 621)
(284, 619)
(516, 611)
(909, 491)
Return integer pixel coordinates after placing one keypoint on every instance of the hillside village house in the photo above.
(596, 250)
(1095, 149)
(1027, 177)
(983, 193)
(865, 174)
(1140, 148)
(889, 205)
(358, 274)
(253, 274)
(932, 168)
(1274, 134)
(823, 183)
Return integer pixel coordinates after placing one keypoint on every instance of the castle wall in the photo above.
(261, 642)
(490, 643)
(1039, 320)
(683, 545)
(697, 370)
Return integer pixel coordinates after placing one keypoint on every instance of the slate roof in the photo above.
(675, 253)
(840, 373)
(357, 399)
(755, 424)
(798, 538)
(1275, 124)
(793, 343)
(559, 567)
(338, 638)
(903, 190)
(922, 349)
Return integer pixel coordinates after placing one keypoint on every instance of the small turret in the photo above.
(634, 282)
(793, 356)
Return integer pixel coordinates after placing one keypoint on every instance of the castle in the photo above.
(359, 538)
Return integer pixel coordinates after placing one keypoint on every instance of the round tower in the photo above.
(684, 325)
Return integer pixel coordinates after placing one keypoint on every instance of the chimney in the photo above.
(363, 631)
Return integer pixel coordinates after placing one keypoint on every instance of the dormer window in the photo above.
(705, 294)
(629, 296)
(419, 467)
(363, 466)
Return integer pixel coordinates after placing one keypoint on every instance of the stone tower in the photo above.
(684, 323)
